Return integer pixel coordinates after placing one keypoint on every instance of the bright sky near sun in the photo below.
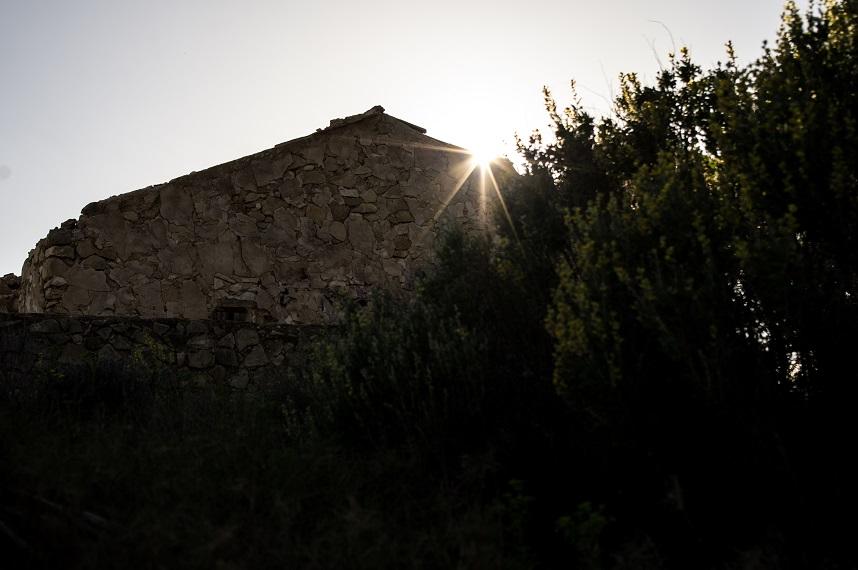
(103, 97)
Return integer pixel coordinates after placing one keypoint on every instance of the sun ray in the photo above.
(503, 204)
(483, 203)
(412, 145)
(478, 159)
(449, 148)
(459, 183)
(506, 166)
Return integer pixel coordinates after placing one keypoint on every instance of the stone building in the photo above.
(277, 236)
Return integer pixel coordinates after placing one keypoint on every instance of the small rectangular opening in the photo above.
(232, 314)
(234, 311)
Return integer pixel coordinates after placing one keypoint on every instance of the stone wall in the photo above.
(10, 285)
(277, 236)
(243, 356)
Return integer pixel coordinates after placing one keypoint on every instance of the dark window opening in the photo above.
(240, 314)
(234, 311)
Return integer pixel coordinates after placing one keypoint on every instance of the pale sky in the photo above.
(103, 97)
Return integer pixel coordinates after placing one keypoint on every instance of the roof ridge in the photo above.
(376, 110)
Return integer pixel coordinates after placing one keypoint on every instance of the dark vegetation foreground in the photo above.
(655, 368)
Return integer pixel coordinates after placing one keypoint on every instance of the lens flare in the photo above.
(480, 158)
(483, 157)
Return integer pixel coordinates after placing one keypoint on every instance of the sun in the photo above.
(483, 156)
(483, 149)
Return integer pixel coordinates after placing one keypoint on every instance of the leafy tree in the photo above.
(706, 300)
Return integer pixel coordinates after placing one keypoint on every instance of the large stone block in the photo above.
(86, 278)
(217, 256)
(177, 205)
(255, 257)
(268, 170)
(360, 234)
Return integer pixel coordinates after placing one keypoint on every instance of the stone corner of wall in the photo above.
(10, 286)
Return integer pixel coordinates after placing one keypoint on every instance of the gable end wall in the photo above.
(276, 236)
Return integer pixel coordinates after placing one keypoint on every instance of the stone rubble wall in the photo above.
(10, 285)
(243, 356)
(282, 234)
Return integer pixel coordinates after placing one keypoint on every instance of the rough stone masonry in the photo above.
(242, 356)
(277, 236)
